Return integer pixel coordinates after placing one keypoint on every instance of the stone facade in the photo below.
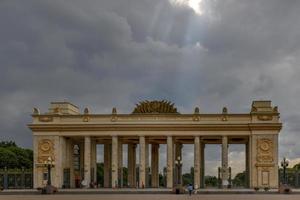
(70, 138)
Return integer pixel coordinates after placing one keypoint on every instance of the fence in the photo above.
(16, 178)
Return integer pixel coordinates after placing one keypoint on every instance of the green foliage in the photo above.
(297, 166)
(7, 144)
(239, 180)
(7, 158)
(12, 156)
(125, 176)
(161, 180)
(187, 179)
(211, 181)
(100, 174)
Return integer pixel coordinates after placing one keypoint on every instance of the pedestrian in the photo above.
(190, 189)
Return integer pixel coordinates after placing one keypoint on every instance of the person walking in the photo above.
(190, 189)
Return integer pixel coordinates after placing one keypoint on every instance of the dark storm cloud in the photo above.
(114, 53)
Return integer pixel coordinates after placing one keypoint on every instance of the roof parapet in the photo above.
(63, 108)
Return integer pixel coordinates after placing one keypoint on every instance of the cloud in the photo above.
(103, 54)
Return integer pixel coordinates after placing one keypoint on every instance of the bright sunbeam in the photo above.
(194, 4)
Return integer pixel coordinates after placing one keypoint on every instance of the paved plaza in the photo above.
(151, 197)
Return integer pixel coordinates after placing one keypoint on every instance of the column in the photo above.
(131, 165)
(72, 175)
(247, 164)
(114, 162)
(134, 172)
(147, 165)
(169, 162)
(225, 173)
(197, 162)
(94, 162)
(120, 164)
(107, 165)
(202, 164)
(142, 166)
(154, 165)
(87, 160)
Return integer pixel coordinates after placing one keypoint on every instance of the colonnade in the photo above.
(113, 162)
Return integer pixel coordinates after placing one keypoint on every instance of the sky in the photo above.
(115, 53)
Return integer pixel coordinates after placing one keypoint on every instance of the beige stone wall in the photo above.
(264, 160)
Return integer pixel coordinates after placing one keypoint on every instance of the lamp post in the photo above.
(178, 164)
(49, 163)
(284, 164)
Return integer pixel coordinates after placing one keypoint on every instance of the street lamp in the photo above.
(49, 163)
(284, 164)
(178, 164)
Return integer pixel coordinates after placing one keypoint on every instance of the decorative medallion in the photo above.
(264, 150)
(155, 107)
(264, 146)
(45, 150)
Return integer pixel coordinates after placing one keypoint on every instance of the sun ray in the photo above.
(194, 4)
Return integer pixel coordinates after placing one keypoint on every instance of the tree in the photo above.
(239, 179)
(125, 176)
(297, 166)
(12, 156)
(7, 144)
(211, 181)
(7, 158)
(100, 173)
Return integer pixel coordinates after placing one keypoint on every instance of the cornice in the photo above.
(155, 127)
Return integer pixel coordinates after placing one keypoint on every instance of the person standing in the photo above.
(190, 189)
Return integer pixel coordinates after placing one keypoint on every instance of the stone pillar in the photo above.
(37, 171)
(71, 160)
(120, 164)
(197, 162)
(142, 166)
(87, 160)
(147, 168)
(202, 165)
(94, 161)
(154, 165)
(170, 162)
(264, 160)
(132, 165)
(134, 169)
(107, 165)
(114, 162)
(247, 164)
(225, 171)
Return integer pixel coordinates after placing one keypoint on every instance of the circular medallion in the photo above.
(265, 146)
(46, 146)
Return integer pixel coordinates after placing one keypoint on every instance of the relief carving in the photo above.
(86, 119)
(264, 150)
(45, 119)
(45, 150)
(265, 117)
